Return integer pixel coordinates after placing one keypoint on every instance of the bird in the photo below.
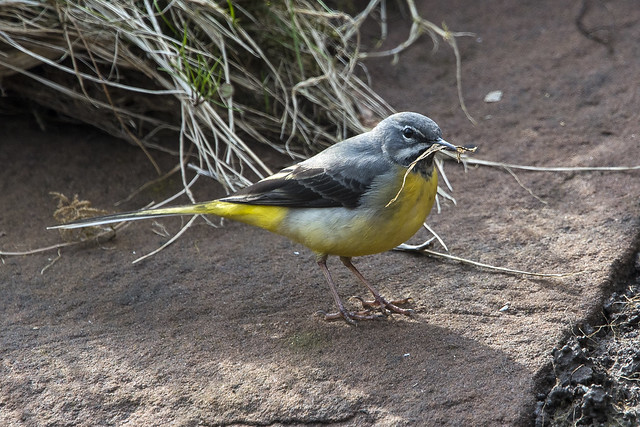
(361, 196)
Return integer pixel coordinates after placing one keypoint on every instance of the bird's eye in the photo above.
(408, 132)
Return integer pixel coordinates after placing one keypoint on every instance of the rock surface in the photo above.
(219, 329)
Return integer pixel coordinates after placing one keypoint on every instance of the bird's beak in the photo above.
(446, 144)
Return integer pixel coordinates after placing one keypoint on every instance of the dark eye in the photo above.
(408, 132)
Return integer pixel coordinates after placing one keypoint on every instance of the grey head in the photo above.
(405, 136)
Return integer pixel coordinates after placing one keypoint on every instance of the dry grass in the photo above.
(72, 210)
(220, 74)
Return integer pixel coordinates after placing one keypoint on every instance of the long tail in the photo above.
(200, 208)
(267, 217)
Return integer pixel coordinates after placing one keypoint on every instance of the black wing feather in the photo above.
(303, 188)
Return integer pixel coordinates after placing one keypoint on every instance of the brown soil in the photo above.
(219, 329)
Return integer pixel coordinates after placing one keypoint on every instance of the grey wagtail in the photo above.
(364, 195)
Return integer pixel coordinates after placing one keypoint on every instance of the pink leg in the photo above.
(379, 302)
(342, 313)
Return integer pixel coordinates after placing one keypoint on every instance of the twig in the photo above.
(492, 267)
(106, 235)
(523, 186)
(476, 161)
(39, 250)
(170, 241)
(430, 150)
(53, 261)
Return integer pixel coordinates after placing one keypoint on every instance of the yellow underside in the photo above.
(267, 217)
(368, 229)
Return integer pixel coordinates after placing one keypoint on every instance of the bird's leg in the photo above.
(342, 311)
(379, 302)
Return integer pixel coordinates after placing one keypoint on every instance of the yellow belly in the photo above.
(370, 228)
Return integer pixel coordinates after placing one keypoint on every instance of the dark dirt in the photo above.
(596, 373)
(219, 329)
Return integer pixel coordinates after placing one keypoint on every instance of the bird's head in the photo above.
(407, 136)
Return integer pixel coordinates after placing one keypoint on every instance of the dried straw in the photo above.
(221, 74)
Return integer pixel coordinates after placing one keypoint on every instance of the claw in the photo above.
(379, 304)
(387, 307)
(350, 317)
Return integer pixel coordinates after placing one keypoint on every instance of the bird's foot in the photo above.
(350, 317)
(386, 307)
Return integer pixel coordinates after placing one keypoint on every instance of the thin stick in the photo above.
(492, 267)
(39, 250)
(523, 186)
(432, 231)
(53, 261)
(105, 234)
(170, 241)
(433, 149)
(430, 150)
(476, 161)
